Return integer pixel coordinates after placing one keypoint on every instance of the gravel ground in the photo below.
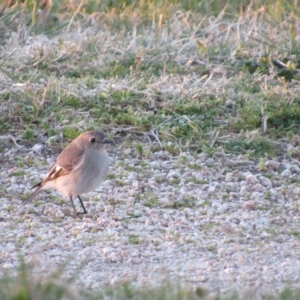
(221, 223)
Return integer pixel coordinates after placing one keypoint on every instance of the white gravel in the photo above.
(219, 222)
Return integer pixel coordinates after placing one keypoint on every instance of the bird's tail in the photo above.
(34, 194)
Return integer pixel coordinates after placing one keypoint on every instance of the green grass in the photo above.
(134, 239)
(25, 284)
(162, 77)
(19, 173)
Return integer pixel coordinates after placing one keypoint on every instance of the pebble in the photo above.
(162, 222)
(37, 148)
(286, 173)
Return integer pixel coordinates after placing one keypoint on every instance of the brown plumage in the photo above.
(79, 169)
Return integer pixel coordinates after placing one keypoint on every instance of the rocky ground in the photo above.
(222, 223)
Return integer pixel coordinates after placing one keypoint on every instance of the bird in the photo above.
(79, 169)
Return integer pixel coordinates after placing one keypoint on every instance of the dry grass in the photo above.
(161, 74)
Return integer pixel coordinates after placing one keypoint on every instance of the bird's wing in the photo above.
(69, 159)
(55, 172)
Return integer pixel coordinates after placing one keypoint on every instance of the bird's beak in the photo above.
(106, 141)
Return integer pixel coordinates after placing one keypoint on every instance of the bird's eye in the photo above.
(92, 140)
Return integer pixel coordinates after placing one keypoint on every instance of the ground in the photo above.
(216, 223)
(203, 187)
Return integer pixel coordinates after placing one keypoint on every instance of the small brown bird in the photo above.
(80, 168)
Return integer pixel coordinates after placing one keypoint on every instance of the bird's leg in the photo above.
(84, 210)
(73, 205)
